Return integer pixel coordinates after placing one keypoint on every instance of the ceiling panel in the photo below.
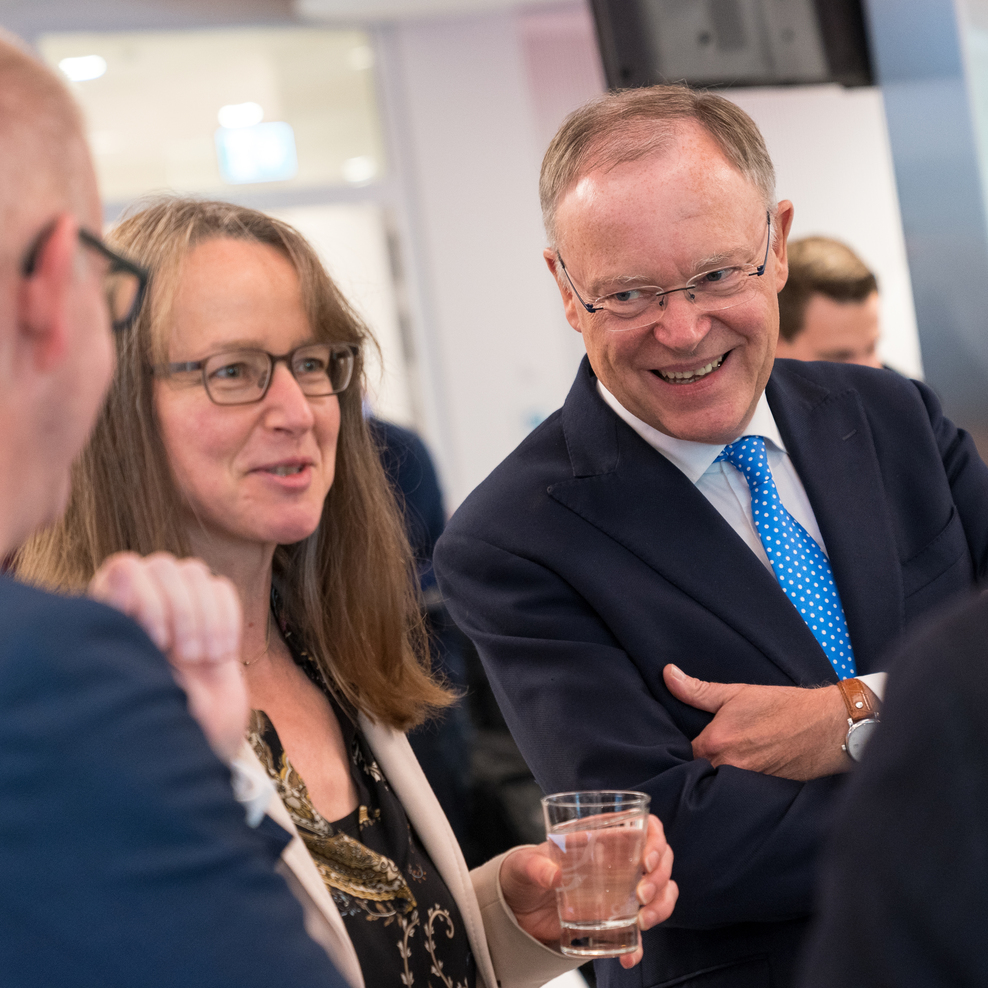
(380, 10)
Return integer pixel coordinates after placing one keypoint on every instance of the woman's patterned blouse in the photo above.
(401, 917)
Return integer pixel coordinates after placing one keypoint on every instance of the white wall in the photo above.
(498, 343)
(831, 152)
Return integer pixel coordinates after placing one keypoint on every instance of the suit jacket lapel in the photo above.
(636, 496)
(830, 443)
(405, 776)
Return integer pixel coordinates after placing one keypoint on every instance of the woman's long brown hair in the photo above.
(348, 590)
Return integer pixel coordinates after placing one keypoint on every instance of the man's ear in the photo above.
(45, 296)
(570, 303)
(783, 224)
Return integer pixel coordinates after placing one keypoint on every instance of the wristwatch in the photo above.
(862, 717)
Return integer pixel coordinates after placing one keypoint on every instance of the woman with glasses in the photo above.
(234, 432)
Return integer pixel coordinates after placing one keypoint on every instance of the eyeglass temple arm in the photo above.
(586, 305)
(760, 270)
(180, 368)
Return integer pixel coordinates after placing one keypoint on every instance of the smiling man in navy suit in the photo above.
(685, 580)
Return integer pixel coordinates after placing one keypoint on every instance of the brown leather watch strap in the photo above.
(857, 699)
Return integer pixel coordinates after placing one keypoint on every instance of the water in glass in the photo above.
(601, 860)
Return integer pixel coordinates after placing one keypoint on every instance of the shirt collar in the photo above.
(694, 459)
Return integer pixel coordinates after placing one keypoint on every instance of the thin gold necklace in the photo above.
(267, 642)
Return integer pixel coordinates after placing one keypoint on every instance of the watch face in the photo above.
(858, 737)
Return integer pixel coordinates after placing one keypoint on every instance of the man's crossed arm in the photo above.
(788, 731)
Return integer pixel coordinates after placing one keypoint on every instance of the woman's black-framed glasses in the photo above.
(124, 282)
(241, 377)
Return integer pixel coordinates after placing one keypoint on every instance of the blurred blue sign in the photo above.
(264, 152)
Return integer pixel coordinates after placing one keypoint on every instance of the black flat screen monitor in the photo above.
(733, 42)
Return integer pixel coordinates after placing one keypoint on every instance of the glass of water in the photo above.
(597, 838)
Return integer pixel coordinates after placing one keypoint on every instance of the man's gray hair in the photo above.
(631, 124)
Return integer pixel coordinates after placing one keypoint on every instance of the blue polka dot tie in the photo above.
(800, 566)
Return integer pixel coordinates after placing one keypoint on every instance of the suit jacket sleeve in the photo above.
(124, 858)
(519, 960)
(967, 476)
(586, 716)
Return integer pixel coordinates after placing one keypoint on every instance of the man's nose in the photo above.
(288, 405)
(680, 325)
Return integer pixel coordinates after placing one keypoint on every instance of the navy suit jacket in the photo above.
(415, 483)
(587, 561)
(124, 859)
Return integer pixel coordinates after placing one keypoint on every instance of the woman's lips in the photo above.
(287, 474)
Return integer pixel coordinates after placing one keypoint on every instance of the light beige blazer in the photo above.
(505, 955)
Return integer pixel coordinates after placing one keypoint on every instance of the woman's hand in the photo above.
(194, 617)
(529, 878)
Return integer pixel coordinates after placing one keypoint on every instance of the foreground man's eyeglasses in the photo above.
(124, 282)
(633, 308)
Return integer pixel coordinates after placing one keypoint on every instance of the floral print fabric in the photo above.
(401, 917)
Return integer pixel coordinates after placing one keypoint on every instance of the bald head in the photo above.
(45, 167)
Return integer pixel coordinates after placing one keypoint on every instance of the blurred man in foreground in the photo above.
(124, 858)
(828, 309)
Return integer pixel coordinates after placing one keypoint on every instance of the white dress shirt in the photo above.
(726, 489)
(252, 789)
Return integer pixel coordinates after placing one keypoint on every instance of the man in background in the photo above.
(443, 744)
(828, 309)
(124, 858)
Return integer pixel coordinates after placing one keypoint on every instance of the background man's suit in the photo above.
(904, 883)
(586, 562)
(124, 859)
(442, 745)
